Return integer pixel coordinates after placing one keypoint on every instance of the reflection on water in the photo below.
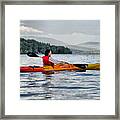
(62, 85)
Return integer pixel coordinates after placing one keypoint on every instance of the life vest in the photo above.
(46, 61)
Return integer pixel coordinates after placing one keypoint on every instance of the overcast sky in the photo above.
(64, 26)
(64, 30)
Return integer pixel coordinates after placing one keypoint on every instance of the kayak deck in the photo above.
(59, 67)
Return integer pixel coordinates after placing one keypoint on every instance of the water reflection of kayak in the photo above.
(61, 67)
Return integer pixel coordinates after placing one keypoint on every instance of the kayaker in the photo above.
(48, 60)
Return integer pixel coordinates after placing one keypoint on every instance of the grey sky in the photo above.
(68, 31)
(91, 27)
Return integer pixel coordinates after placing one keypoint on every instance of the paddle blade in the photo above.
(31, 54)
(82, 66)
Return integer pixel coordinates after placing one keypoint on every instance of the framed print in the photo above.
(60, 60)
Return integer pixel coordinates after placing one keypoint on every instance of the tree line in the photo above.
(31, 45)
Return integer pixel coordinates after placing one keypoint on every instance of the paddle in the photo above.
(83, 66)
(31, 54)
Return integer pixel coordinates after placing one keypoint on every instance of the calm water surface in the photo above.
(62, 85)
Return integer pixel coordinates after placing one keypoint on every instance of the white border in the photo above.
(106, 15)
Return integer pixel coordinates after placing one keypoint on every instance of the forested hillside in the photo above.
(31, 45)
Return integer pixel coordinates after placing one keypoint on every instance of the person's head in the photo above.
(48, 52)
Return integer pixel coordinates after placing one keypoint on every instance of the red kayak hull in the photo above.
(31, 69)
(48, 68)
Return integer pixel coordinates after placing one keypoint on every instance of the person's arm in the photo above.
(56, 61)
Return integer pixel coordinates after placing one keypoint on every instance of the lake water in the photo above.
(62, 85)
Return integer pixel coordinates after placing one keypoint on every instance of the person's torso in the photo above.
(46, 60)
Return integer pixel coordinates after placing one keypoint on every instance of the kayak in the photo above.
(61, 67)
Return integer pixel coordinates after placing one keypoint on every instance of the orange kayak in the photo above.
(59, 67)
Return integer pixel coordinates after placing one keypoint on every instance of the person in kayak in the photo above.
(48, 60)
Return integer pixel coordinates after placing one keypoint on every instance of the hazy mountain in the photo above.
(81, 48)
(90, 45)
(52, 41)
(86, 47)
(75, 38)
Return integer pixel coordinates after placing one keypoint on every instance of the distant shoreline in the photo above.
(31, 45)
